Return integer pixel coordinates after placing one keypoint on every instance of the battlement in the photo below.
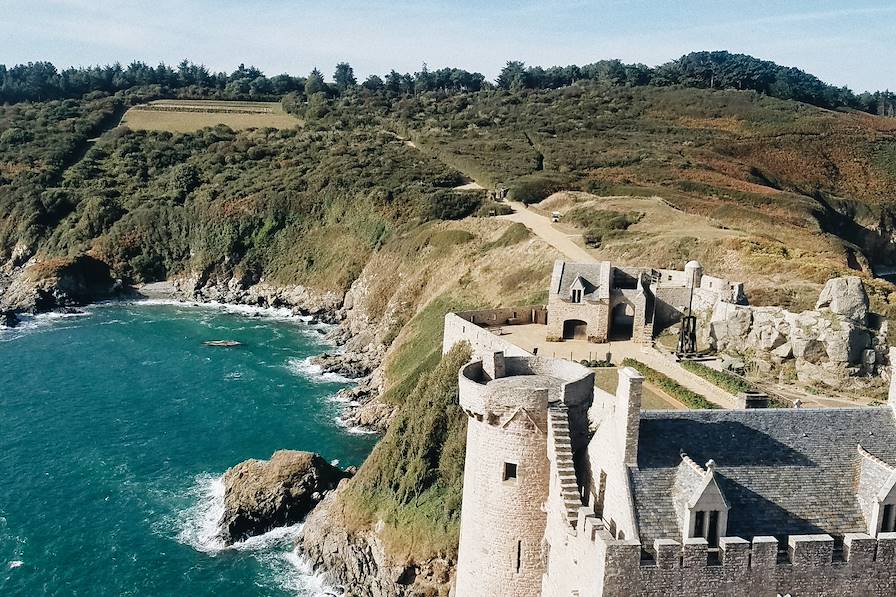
(736, 553)
(497, 384)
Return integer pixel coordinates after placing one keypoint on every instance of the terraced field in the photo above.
(186, 116)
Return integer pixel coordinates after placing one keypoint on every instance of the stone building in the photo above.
(573, 491)
(601, 301)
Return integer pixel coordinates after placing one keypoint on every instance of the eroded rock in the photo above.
(260, 495)
(845, 296)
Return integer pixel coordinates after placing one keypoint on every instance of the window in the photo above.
(699, 522)
(888, 519)
(576, 296)
(519, 556)
(706, 525)
(509, 471)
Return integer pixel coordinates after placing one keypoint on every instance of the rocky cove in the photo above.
(348, 558)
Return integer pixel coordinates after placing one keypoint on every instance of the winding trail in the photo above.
(542, 227)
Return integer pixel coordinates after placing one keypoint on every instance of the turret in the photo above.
(693, 272)
(507, 472)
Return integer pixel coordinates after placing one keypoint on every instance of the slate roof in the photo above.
(590, 273)
(783, 471)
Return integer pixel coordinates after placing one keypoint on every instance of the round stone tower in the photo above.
(506, 476)
(693, 272)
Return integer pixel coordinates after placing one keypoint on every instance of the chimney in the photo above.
(628, 411)
(752, 400)
(493, 364)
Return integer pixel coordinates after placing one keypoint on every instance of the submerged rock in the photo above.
(8, 319)
(260, 495)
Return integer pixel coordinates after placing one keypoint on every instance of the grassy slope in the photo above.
(314, 206)
(803, 188)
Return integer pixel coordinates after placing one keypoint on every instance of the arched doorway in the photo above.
(623, 317)
(575, 329)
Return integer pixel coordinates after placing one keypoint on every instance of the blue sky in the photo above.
(844, 43)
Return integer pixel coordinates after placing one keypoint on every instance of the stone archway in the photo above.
(623, 322)
(575, 329)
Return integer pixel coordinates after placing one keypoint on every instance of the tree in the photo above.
(344, 76)
(314, 83)
(513, 75)
(373, 83)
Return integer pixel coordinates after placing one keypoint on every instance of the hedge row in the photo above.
(730, 383)
(668, 385)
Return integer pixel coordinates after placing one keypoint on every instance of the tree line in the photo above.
(41, 81)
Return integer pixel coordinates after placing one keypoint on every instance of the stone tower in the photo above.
(507, 472)
(693, 273)
(505, 481)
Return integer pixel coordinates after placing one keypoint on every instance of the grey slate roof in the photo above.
(783, 471)
(590, 272)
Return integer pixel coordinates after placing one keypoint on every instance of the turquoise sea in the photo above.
(115, 428)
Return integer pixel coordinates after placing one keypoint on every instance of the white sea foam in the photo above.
(354, 429)
(198, 524)
(15, 564)
(313, 372)
(29, 322)
(198, 528)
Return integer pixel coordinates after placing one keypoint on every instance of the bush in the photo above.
(413, 479)
(536, 187)
(494, 208)
(729, 382)
(601, 225)
(453, 205)
(668, 385)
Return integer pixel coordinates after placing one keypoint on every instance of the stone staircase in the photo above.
(569, 486)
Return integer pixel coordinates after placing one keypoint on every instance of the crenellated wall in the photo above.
(754, 568)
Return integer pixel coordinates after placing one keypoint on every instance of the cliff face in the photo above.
(359, 561)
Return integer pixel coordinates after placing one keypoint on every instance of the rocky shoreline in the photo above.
(357, 357)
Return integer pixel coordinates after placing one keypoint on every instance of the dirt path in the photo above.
(543, 227)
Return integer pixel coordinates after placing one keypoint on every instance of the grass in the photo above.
(413, 478)
(607, 378)
(187, 116)
(601, 224)
(668, 385)
(729, 382)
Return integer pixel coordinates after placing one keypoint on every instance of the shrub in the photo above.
(413, 479)
(668, 385)
(601, 224)
(533, 188)
(729, 382)
(453, 205)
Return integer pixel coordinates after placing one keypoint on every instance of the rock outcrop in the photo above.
(845, 297)
(44, 285)
(260, 495)
(826, 345)
(359, 562)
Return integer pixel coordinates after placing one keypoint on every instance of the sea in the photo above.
(116, 426)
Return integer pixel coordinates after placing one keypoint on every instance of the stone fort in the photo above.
(573, 491)
(601, 301)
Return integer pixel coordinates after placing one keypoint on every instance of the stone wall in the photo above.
(752, 569)
(596, 316)
(481, 340)
(507, 316)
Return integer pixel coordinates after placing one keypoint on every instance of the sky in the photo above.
(843, 43)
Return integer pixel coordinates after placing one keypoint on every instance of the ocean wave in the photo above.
(15, 564)
(313, 372)
(198, 528)
(354, 429)
(29, 322)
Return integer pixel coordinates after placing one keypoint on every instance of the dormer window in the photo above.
(706, 525)
(888, 518)
(576, 296)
